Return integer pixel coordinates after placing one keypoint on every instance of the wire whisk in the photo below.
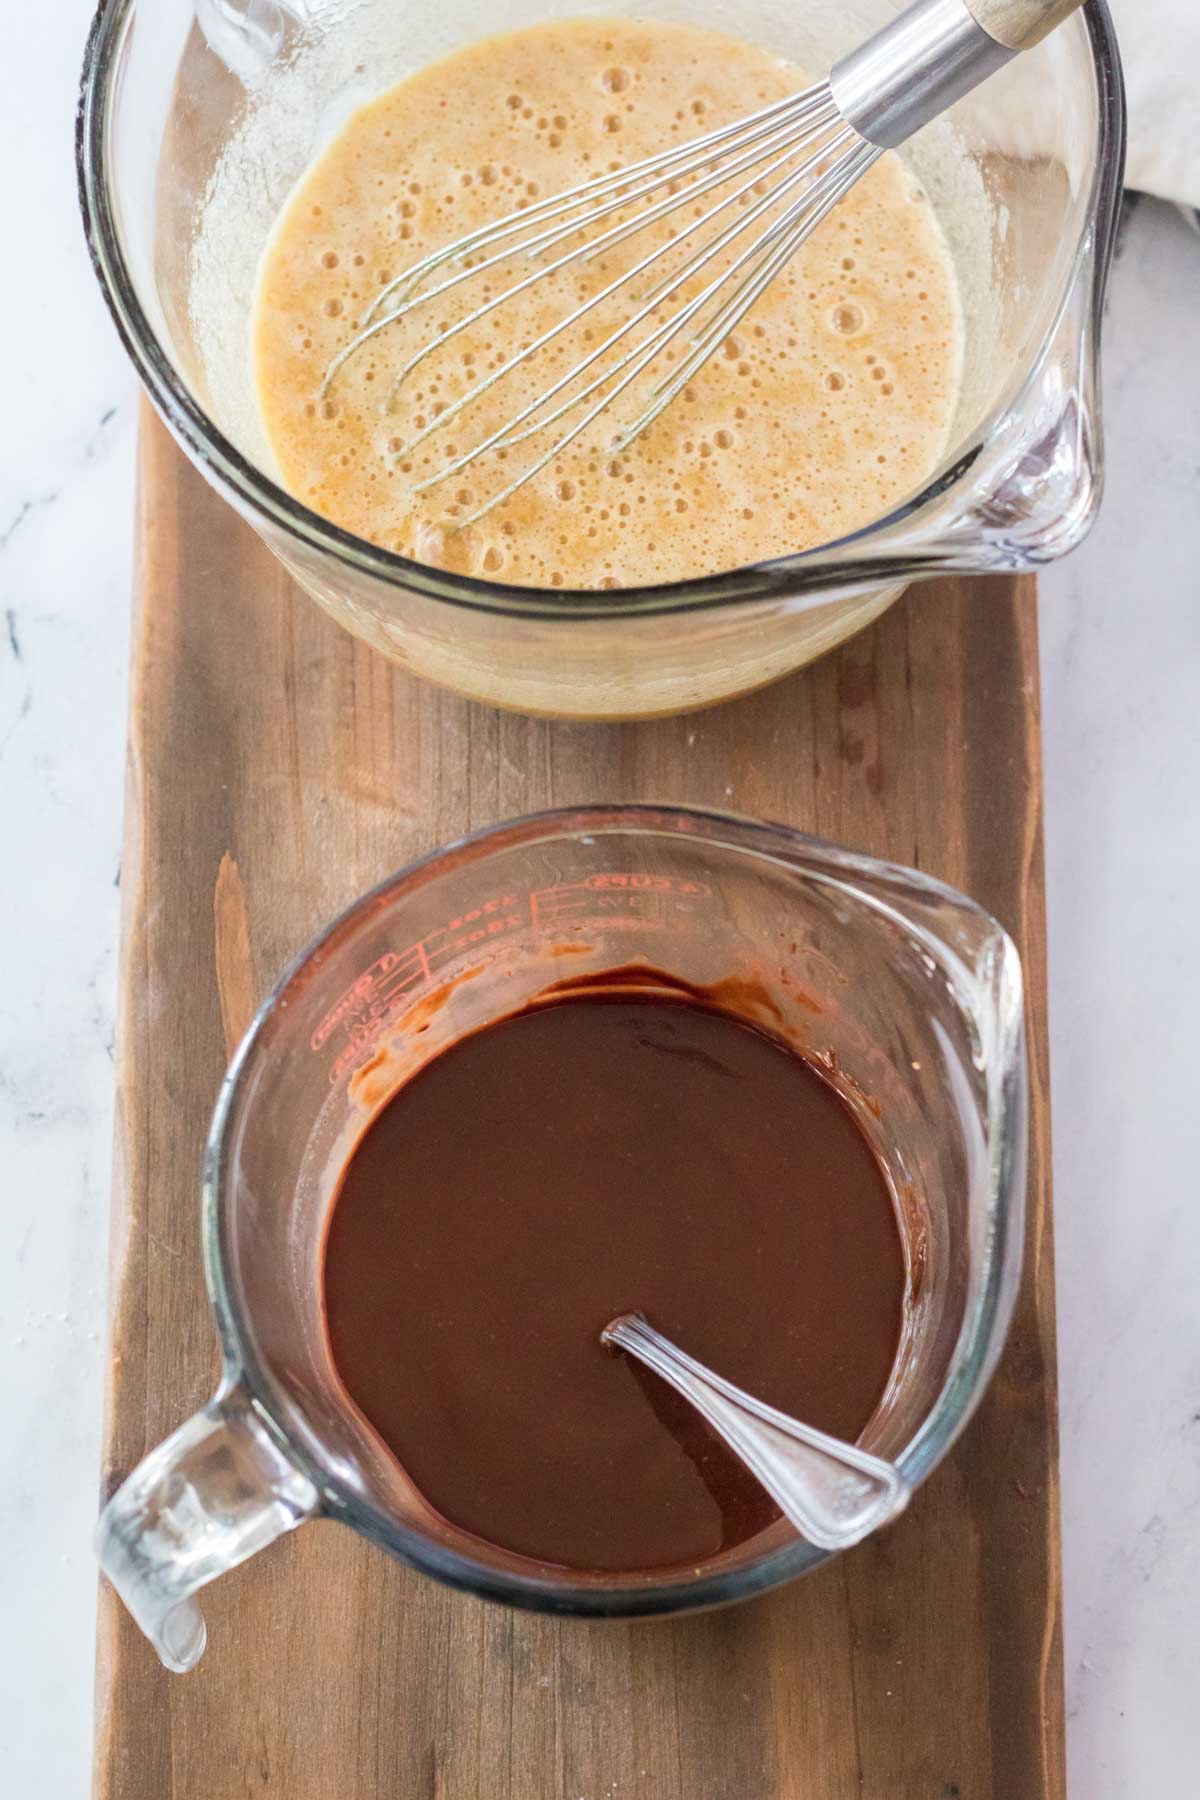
(768, 181)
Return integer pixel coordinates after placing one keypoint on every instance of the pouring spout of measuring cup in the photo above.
(834, 1493)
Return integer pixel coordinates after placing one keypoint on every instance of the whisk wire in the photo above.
(695, 153)
(740, 303)
(802, 123)
(616, 234)
(804, 119)
(651, 301)
(774, 137)
(767, 266)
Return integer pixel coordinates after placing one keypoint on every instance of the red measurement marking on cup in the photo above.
(622, 899)
(392, 972)
(397, 978)
(491, 919)
(357, 996)
(626, 879)
(607, 897)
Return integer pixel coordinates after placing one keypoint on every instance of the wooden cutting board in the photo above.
(277, 768)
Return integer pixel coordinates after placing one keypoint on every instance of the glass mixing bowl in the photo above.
(198, 116)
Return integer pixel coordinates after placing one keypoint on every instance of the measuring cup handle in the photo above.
(208, 1497)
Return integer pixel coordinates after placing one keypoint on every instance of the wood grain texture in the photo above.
(276, 769)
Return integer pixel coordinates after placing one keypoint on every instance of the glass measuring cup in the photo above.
(907, 993)
(197, 116)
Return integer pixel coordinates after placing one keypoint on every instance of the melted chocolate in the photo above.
(598, 1155)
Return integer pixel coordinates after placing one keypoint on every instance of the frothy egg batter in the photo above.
(831, 401)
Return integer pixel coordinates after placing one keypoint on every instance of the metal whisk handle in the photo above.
(1020, 24)
(930, 56)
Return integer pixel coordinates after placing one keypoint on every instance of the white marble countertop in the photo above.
(1121, 674)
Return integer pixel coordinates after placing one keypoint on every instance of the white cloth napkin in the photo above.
(1160, 48)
